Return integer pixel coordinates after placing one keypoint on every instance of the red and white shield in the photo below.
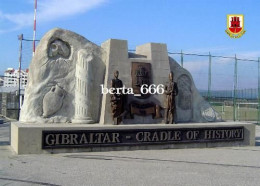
(235, 25)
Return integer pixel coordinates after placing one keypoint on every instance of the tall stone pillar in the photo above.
(116, 57)
(84, 84)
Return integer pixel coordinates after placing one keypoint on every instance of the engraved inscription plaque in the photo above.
(184, 84)
(141, 74)
(118, 137)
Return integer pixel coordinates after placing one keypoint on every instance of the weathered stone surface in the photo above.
(27, 138)
(154, 55)
(54, 65)
(191, 106)
(67, 70)
(52, 101)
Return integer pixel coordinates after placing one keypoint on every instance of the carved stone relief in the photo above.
(141, 74)
(144, 109)
(208, 113)
(59, 48)
(75, 67)
(83, 77)
(52, 101)
(185, 99)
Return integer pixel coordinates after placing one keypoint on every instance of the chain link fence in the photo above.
(229, 84)
(10, 95)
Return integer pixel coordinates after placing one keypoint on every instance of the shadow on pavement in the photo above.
(27, 181)
(5, 134)
(106, 157)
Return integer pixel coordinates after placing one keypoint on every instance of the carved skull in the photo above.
(59, 48)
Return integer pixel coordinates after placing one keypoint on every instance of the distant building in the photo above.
(1, 81)
(9, 101)
(11, 78)
(9, 92)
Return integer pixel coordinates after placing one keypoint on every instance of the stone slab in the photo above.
(27, 138)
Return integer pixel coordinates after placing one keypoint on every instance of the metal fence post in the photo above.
(258, 120)
(181, 59)
(209, 79)
(235, 91)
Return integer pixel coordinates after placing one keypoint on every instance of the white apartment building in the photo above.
(1, 81)
(11, 78)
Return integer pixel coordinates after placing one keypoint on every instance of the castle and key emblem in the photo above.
(235, 26)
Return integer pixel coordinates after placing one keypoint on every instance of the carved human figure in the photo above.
(171, 90)
(117, 99)
(141, 76)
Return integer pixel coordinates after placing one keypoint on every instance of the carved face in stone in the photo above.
(59, 48)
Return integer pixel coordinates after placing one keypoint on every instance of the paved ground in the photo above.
(214, 166)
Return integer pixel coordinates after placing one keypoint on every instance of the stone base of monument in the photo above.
(67, 138)
(86, 120)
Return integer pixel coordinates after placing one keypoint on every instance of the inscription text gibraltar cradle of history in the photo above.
(92, 138)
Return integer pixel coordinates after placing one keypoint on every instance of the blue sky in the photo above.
(196, 26)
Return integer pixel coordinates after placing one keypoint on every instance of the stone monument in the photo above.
(74, 99)
(70, 62)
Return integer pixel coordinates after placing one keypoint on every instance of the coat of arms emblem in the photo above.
(235, 25)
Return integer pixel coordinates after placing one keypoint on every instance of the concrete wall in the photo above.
(27, 138)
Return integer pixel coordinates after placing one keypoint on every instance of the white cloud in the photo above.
(55, 9)
(21, 19)
(223, 51)
(243, 56)
(207, 50)
(195, 66)
(254, 55)
(49, 10)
